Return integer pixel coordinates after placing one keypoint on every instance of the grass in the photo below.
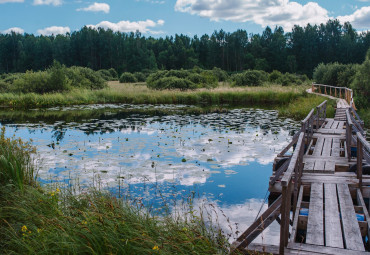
(36, 221)
(300, 107)
(140, 94)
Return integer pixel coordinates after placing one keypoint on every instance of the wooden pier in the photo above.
(320, 186)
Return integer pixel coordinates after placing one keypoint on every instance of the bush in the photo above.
(334, 74)
(361, 84)
(220, 74)
(172, 83)
(127, 78)
(275, 76)
(113, 73)
(188, 79)
(83, 77)
(106, 75)
(140, 77)
(250, 78)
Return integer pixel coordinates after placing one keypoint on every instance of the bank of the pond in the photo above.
(140, 94)
(36, 221)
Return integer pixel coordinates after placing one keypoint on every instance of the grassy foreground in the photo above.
(36, 221)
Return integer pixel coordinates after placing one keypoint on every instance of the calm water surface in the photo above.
(222, 159)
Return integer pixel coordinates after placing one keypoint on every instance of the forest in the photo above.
(298, 51)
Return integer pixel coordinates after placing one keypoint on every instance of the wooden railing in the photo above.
(314, 120)
(340, 92)
(291, 181)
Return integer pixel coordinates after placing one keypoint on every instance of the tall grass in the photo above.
(300, 107)
(36, 221)
(16, 168)
(140, 94)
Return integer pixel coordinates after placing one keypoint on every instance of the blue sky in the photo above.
(168, 17)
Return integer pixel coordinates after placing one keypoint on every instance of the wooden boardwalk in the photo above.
(318, 192)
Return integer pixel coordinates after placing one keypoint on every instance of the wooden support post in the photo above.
(285, 217)
(335, 92)
(325, 91)
(340, 92)
(313, 88)
(359, 162)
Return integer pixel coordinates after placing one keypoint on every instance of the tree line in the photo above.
(298, 51)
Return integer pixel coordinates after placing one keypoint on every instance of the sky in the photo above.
(159, 18)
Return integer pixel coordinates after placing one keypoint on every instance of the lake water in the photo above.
(222, 160)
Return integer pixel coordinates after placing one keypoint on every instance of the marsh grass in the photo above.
(139, 94)
(34, 220)
(300, 107)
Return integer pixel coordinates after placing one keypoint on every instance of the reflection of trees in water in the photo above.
(112, 120)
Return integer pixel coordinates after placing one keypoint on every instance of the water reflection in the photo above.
(142, 151)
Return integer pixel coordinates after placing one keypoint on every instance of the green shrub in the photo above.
(361, 84)
(140, 77)
(188, 79)
(220, 74)
(127, 78)
(172, 83)
(83, 77)
(113, 73)
(275, 76)
(250, 78)
(334, 74)
(105, 75)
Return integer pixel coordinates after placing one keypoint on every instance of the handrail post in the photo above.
(313, 88)
(335, 92)
(359, 161)
(325, 91)
(340, 92)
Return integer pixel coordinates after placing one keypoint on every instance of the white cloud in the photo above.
(96, 7)
(54, 30)
(359, 19)
(128, 26)
(47, 2)
(16, 30)
(263, 12)
(11, 1)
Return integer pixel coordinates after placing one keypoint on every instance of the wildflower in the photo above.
(156, 248)
(38, 230)
(184, 229)
(57, 190)
(24, 229)
(84, 222)
(52, 194)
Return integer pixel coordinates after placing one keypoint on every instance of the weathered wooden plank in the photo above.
(326, 150)
(333, 236)
(330, 166)
(341, 124)
(315, 224)
(335, 150)
(319, 166)
(318, 147)
(308, 166)
(351, 229)
(329, 124)
(300, 248)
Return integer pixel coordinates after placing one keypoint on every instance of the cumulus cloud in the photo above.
(16, 30)
(11, 1)
(96, 7)
(128, 26)
(54, 30)
(359, 19)
(263, 12)
(47, 2)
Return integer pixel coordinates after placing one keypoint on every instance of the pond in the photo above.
(161, 156)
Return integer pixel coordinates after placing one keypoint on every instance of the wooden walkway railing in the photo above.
(289, 174)
(338, 92)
